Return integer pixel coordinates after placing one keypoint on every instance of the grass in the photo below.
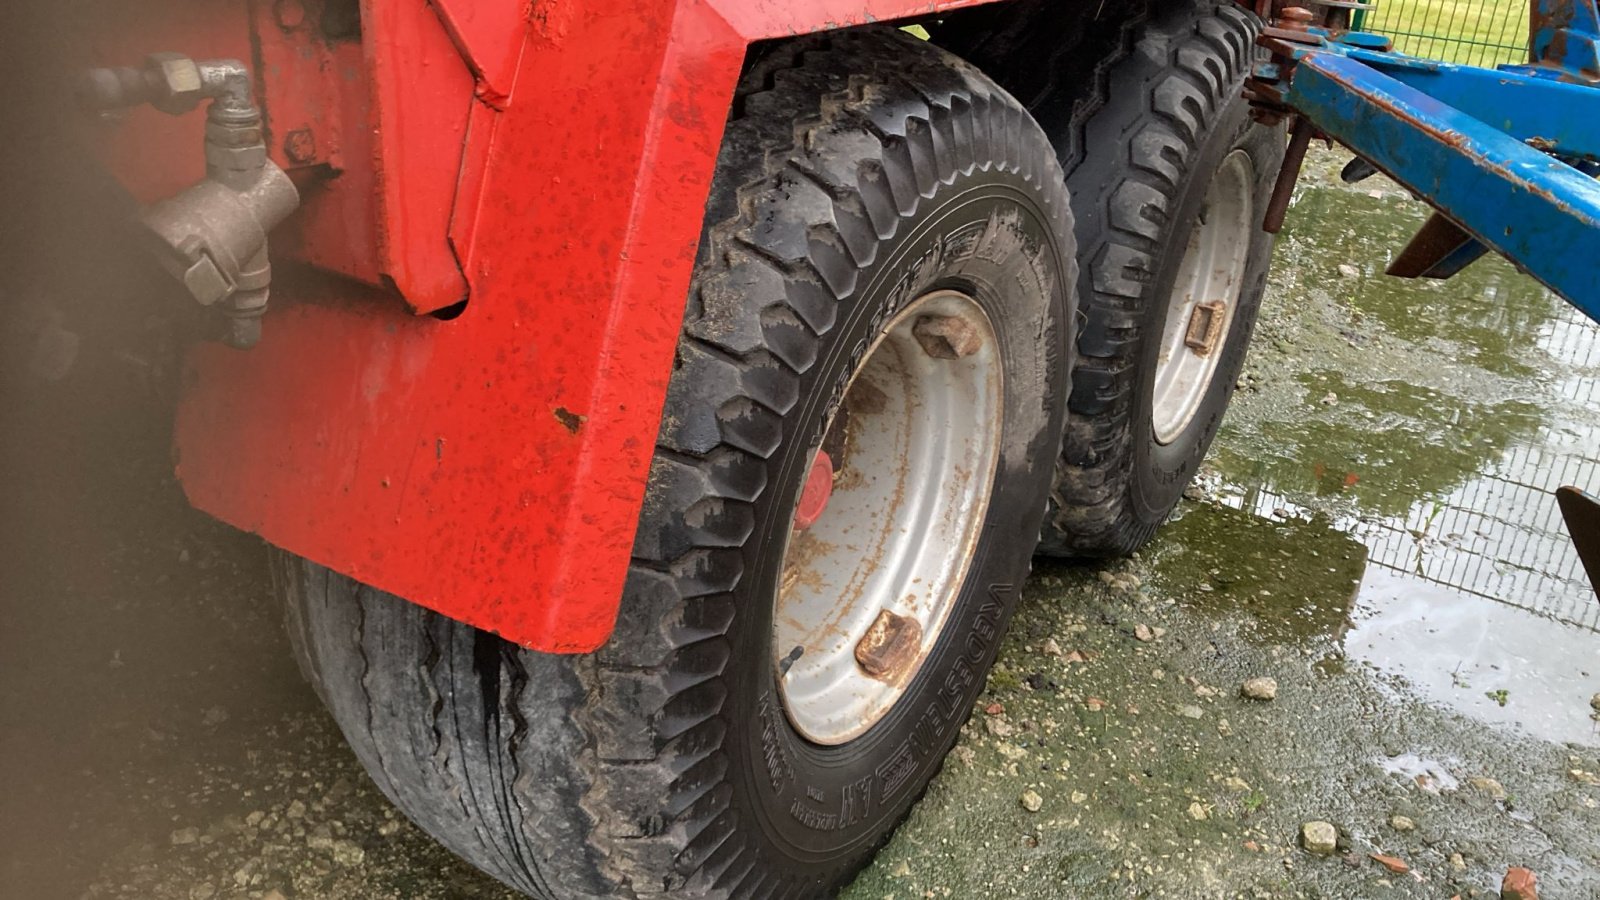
(1474, 32)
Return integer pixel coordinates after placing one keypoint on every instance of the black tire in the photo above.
(858, 171)
(1170, 110)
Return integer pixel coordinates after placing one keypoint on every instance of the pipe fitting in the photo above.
(212, 236)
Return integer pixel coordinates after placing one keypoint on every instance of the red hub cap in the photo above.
(814, 496)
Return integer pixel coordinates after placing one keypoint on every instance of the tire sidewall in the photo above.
(1160, 472)
(822, 805)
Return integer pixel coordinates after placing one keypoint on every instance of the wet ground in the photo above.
(1374, 532)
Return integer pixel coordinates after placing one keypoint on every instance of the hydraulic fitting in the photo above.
(211, 236)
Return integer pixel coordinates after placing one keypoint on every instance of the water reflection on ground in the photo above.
(1442, 417)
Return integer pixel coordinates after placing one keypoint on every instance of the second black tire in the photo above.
(1161, 118)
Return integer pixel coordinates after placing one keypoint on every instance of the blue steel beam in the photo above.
(1554, 116)
(1535, 210)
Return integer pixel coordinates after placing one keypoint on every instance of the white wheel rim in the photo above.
(920, 439)
(1200, 310)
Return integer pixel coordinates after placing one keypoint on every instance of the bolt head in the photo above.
(300, 146)
(289, 13)
(947, 337)
(179, 85)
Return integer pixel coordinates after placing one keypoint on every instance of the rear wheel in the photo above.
(1169, 179)
(850, 475)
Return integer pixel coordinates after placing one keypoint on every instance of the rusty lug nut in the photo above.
(890, 645)
(300, 145)
(947, 337)
(1205, 326)
(1295, 18)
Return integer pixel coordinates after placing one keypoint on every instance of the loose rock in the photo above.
(1488, 786)
(1031, 801)
(1143, 633)
(1320, 838)
(1519, 884)
(998, 727)
(1348, 270)
(1262, 688)
(185, 836)
(1198, 811)
(348, 853)
(1402, 823)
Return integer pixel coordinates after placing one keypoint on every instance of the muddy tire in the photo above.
(1169, 178)
(882, 217)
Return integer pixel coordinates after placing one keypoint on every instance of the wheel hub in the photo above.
(1204, 296)
(891, 507)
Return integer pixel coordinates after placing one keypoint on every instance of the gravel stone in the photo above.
(1261, 688)
(1320, 838)
(1519, 884)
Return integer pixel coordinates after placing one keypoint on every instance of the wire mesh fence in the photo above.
(1471, 32)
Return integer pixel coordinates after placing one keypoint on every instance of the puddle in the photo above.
(1495, 661)
(1430, 775)
(1431, 422)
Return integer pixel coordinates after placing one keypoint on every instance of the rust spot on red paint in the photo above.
(570, 420)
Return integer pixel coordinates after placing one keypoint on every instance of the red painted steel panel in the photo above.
(490, 37)
(318, 105)
(492, 467)
(422, 94)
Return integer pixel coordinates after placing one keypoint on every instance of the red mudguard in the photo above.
(546, 162)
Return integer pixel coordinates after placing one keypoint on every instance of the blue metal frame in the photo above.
(1565, 35)
(1507, 154)
(1539, 212)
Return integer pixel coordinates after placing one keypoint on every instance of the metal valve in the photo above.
(211, 236)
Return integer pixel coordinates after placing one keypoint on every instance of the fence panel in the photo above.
(1472, 32)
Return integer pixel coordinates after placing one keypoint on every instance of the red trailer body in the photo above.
(540, 169)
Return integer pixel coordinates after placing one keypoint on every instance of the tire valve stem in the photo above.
(788, 661)
(212, 236)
